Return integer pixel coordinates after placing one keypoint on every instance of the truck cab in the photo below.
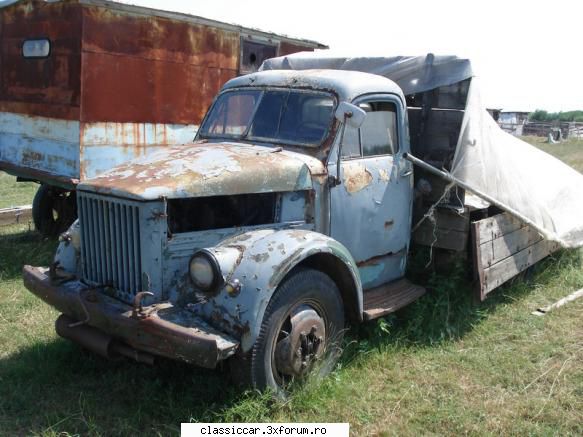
(287, 218)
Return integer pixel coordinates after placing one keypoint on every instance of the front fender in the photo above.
(67, 256)
(258, 261)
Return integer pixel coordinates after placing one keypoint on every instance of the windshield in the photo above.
(294, 117)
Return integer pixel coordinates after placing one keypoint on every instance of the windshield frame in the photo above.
(276, 141)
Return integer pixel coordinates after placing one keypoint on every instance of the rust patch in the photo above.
(356, 178)
(116, 65)
(376, 260)
(30, 158)
(287, 48)
(205, 171)
(384, 175)
(281, 248)
(389, 223)
(49, 86)
(279, 271)
(260, 257)
(154, 69)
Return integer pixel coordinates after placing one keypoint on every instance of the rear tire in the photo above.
(300, 337)
(53, 210)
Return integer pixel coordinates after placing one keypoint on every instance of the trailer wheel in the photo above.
(53, 210)
(300, 337)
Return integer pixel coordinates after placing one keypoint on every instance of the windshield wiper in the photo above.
(281, 112)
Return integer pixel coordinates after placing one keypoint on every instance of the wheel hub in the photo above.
(299, 349)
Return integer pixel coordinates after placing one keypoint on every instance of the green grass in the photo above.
(443, 365)
(14, 193)
(570, 151)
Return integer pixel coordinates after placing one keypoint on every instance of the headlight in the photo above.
(205, 272)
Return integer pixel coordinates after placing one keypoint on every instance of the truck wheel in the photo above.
(53, 210)
(301, 334)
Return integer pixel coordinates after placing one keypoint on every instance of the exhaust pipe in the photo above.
(98, 341)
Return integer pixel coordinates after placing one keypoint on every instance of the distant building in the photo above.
(513, 121)
(559, 130)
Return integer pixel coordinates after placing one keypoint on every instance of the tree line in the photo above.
(542, 115)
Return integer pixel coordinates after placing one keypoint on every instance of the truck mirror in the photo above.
(351, 114)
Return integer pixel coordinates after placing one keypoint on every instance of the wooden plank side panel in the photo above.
(497, 226)
(450, 230)
(506, 269)
(450, 219)
(428, 235)
(503, 246)
(16, 215)
(496, 250)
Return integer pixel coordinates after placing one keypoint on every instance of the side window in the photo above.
(379, 130)
(351, 143)
(376, 136)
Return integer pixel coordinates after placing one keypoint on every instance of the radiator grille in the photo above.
(110, 242)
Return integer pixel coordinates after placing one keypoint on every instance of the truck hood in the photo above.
(208, 169)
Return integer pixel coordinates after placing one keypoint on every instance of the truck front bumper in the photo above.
(159, 329)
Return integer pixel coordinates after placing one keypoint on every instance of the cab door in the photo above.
(370, 211)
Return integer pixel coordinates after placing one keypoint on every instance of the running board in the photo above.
(388, 298)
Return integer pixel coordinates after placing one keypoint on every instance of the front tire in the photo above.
(53, 210)
(300, 336)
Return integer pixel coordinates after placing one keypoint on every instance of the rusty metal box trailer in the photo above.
(88, 84)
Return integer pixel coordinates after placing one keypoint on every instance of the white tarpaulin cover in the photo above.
(529, 183)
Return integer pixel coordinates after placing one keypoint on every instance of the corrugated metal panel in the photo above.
(122, 71)
(141, 90)
(152, 69)
(46, 87)
(40, 144)
(287, 48)
(194, 19)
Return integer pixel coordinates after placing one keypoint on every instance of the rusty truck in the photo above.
(287, 218)
(89, 84)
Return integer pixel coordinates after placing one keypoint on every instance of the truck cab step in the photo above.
(388, 298)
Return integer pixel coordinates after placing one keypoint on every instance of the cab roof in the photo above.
(346, 84)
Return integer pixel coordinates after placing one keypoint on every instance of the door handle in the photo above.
(407, 173)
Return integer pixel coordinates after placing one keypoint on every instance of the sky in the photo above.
(527, 53)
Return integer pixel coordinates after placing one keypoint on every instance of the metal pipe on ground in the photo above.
(570, 298)
(97, 341)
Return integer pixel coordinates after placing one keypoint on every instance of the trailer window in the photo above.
(36, 48)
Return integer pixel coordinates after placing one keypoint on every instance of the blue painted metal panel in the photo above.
(106, 145)
(40, 144)
(77, 151)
